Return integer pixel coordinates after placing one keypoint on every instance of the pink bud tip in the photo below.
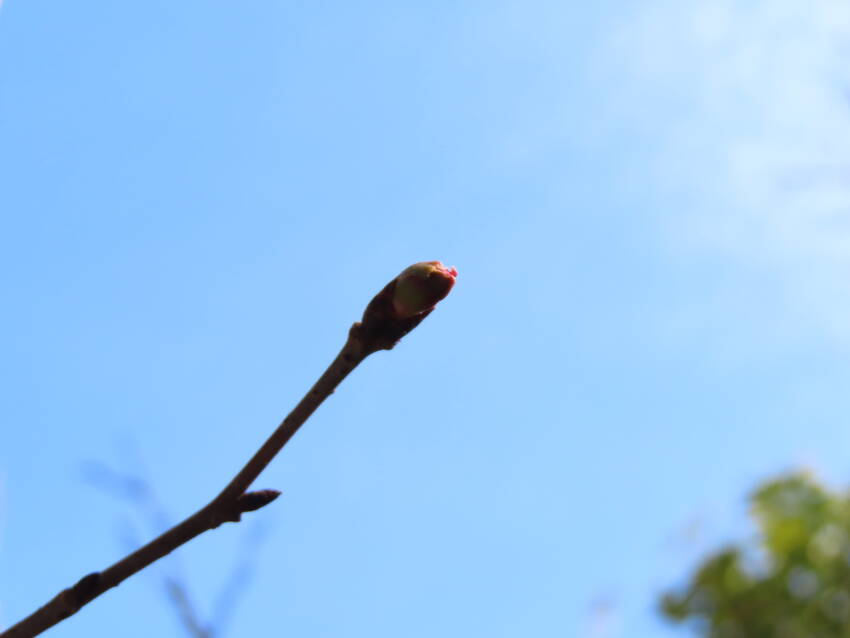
(421, 286)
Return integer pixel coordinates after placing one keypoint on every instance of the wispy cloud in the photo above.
(755, 134)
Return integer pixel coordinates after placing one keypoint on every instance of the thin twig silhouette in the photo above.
(400, 306)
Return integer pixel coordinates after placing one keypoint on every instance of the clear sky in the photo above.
(649, 206)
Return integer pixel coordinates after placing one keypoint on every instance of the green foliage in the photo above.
(795, 584)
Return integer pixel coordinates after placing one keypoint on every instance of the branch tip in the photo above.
(402, 304)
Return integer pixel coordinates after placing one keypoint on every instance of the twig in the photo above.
(180, 597)
(395, 311)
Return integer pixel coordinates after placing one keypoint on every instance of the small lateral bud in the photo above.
(82, 592)
(420, 287)
(251, 501)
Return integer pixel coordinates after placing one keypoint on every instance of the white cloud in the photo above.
(755, 103)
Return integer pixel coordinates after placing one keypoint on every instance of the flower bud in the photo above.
(419, 287)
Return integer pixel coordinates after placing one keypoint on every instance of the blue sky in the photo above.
(648, 206)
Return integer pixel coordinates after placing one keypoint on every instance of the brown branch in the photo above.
(382, 326)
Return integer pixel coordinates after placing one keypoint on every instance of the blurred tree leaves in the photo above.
(794, 584)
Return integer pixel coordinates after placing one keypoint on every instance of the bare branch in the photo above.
(395, 311)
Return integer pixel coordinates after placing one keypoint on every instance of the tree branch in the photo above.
(395, 311)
